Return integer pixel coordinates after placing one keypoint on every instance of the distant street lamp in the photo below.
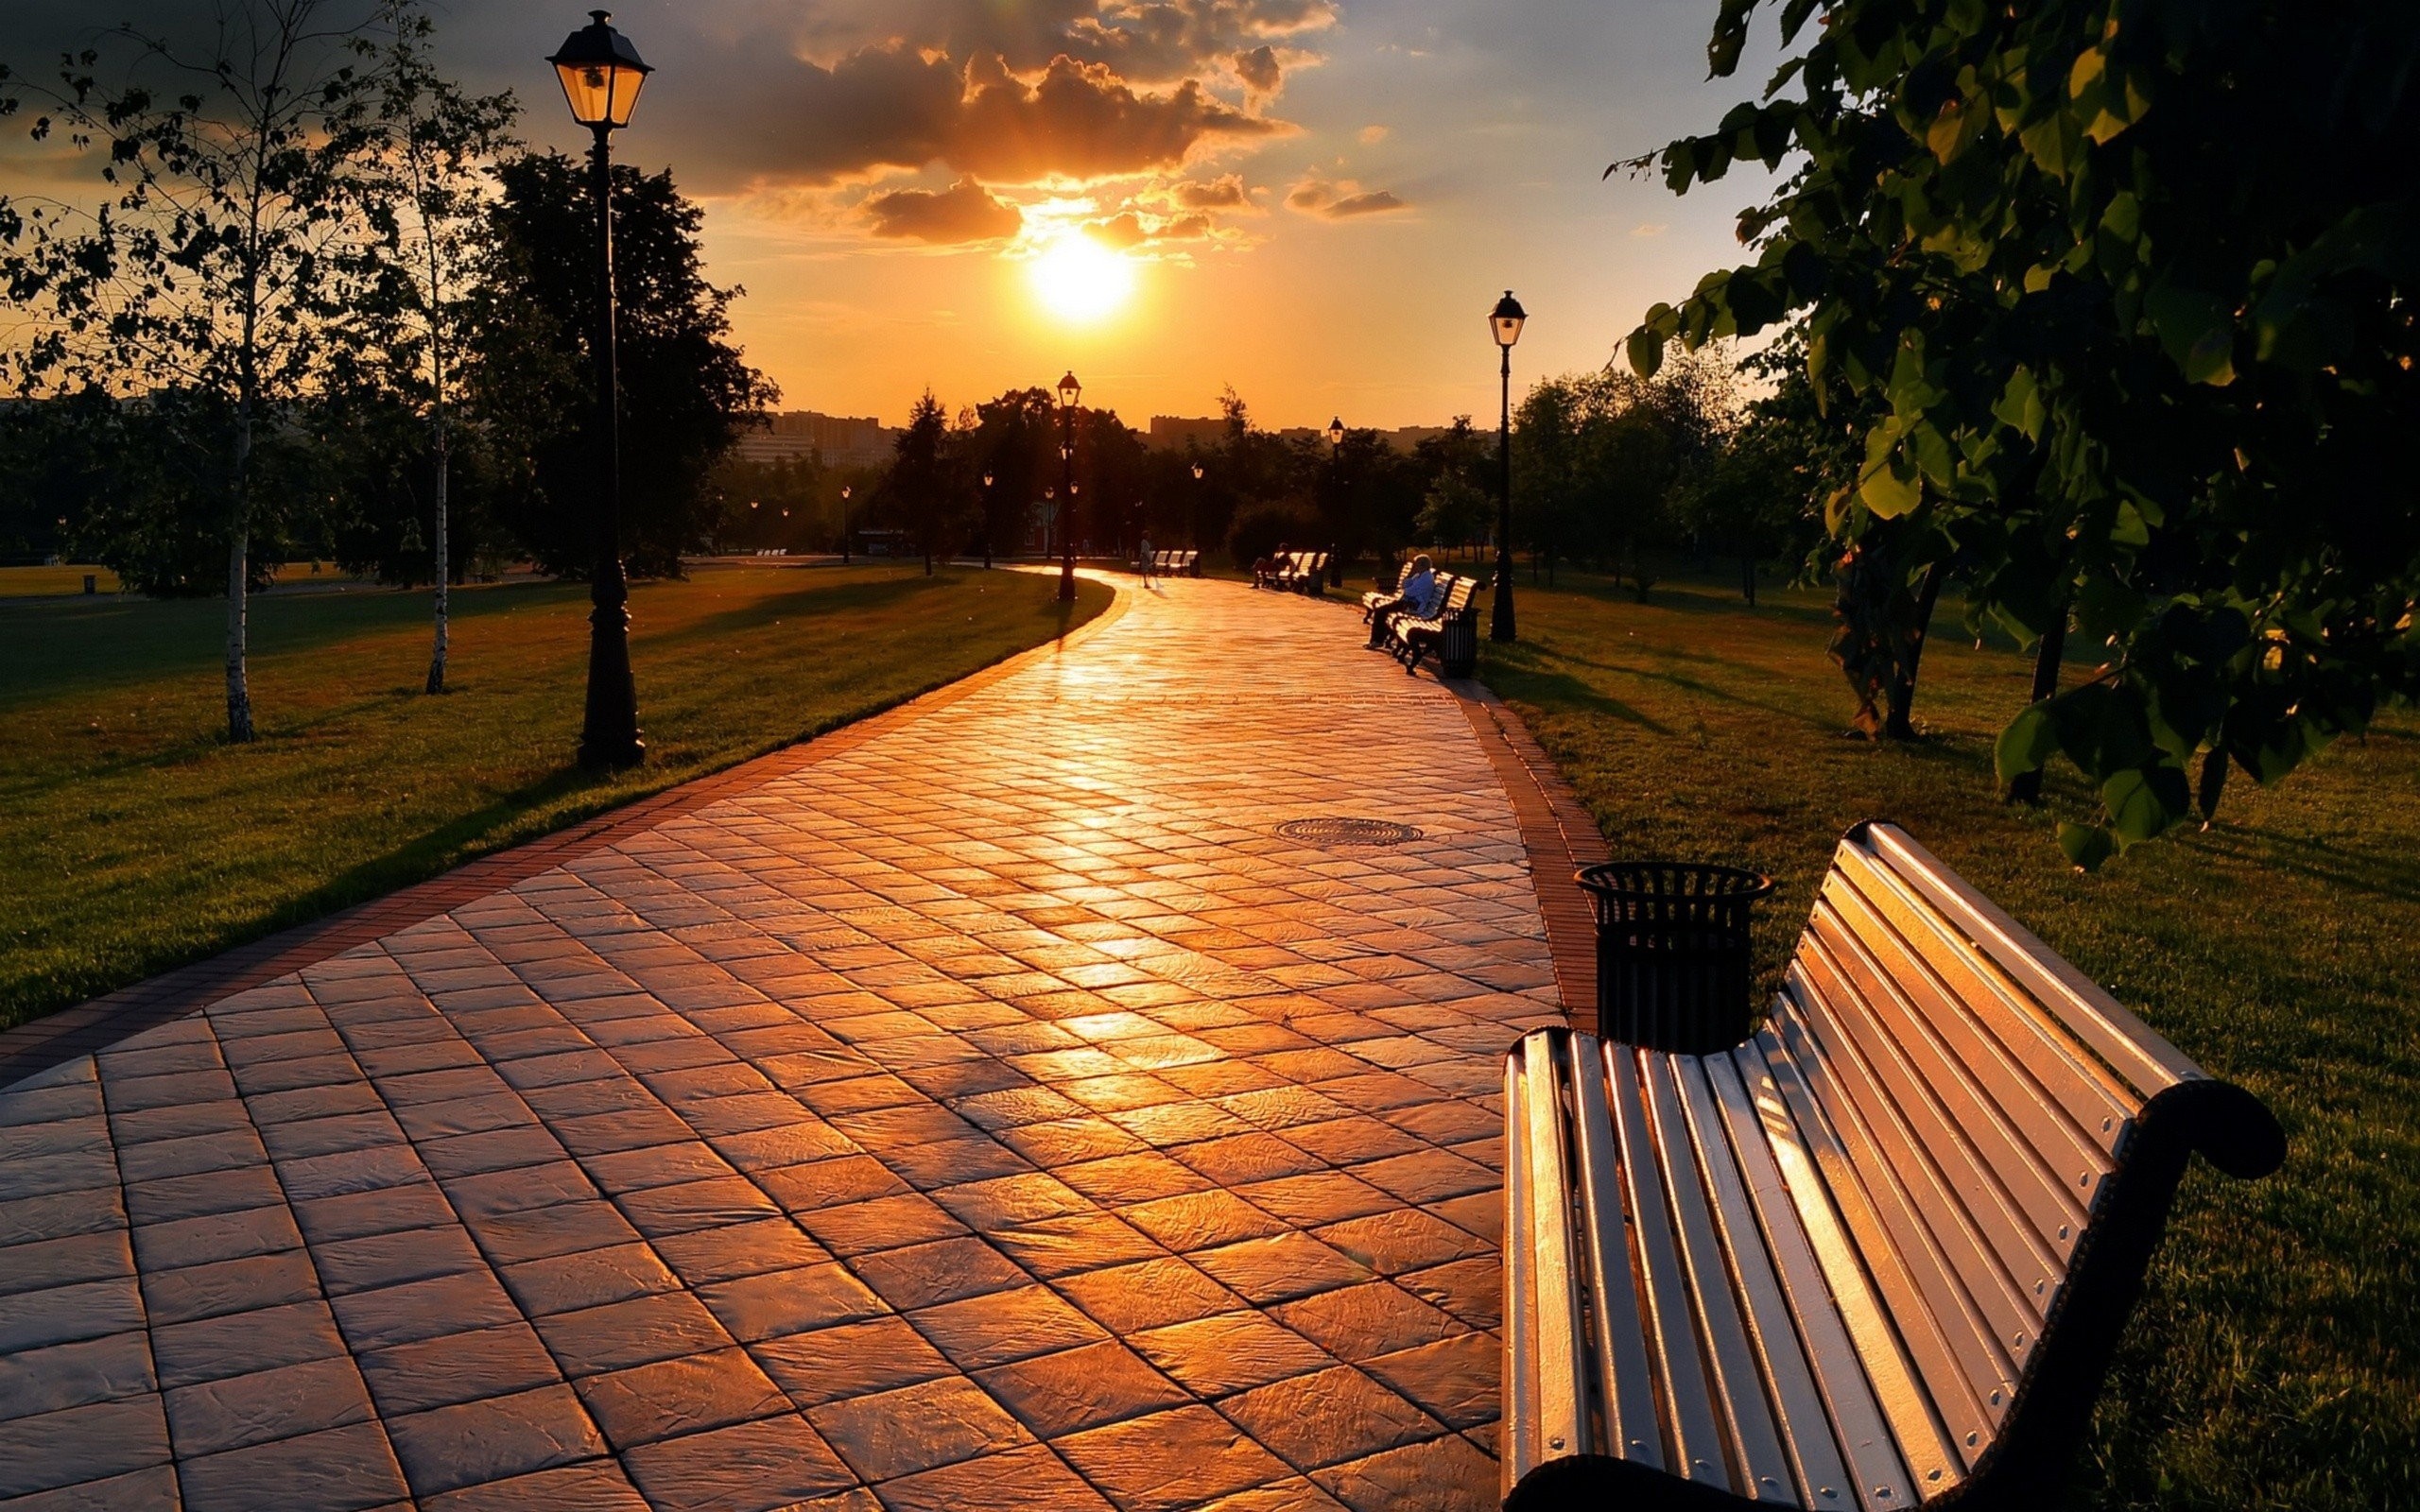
(601, 75)
(1196, 512)
(1336, 434)
(987, 521)
(1069, 391)
(1504, 322)
(844, 525)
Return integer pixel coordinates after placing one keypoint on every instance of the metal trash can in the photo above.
(1673, 963)
(1458, 646)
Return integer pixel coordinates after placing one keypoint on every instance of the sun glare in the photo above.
(1080, 280)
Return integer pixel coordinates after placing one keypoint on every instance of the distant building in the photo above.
(1170, 432)
(844, 440)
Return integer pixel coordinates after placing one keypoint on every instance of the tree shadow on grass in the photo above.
(1562, 692)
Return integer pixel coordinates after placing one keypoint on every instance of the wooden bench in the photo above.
(1410, 640)
(1875, 1258)
(1176, 564)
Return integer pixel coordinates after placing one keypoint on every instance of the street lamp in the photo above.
(987, 521)
(1069, 391)
(1504, 322)
(1336, 434)
(844, 525)
(1195, 513)
(601, 75)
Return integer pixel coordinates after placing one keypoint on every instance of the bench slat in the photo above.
(1555, 1342)
(1808, 1155)
(1759, 1469)
(1955, 1350)
(1694, 1441)
(1631, 1420)
(2032, 1210)
(2147, 1061)
(2100, 1106)
(1983, 1314)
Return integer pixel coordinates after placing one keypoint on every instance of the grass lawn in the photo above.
(44, 582)
(132, 838)
(2275, 1363)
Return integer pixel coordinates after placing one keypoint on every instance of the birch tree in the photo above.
(217, 259)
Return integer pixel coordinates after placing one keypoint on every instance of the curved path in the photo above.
(988, 1107)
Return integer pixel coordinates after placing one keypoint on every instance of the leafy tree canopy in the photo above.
(2126, 286)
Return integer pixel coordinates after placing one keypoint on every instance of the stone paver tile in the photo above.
(886, 1223)
(68, 1262)
(215, 1237)
(1458, 1380)
(1352, 1141)
(391, 1260)
(1336, 1415)
(1012, 1482)
(512, 1239)
(536, 1186)
(422, 1310)
(1319, 1197)
(1401, 1240)
(1358, 1323)
(1168, 1460)
(1080, 1389)
(1004, 1327)
(694, 1205)
(1063, 1246)
(589, 1278)
(1232, 1351)
(229, 1286)
(26, 1220)
(238, 1411)
(833, 1183)
(62, 1315)
(1429, 1176)
(741, 1249)
(749, 1468)
(950, 1163)
(623, 1334)
(55, 1449)
(671, 1398)
(944, 1271)
(1151, 1293)
(1446, 1475)
(1281, 1268)
(1292, 1494)
(448, 1448)
(790, 1301)
(1201, 1220)
(597, 1485)
(851, 1360)
(384, 1210)
(242, 1343)
(344, 1469)
(33, 1382)
(196, 1195)
(916, 1428)
(145, 1490)
(1124, 1179)
(1011, 1201)
(1472, 1290)
(457, 1368)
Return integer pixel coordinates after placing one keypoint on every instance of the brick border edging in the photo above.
(29, 1049)
(1559, 834)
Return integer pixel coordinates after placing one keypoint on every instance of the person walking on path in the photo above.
(1147, 558)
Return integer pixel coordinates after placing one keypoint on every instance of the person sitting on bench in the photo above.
(1265, 570)
(1416, 595)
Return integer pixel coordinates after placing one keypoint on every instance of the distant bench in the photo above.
(1176, 564)
(1304, 572)
(1875, 1258)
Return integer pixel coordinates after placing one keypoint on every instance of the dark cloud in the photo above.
(964, 212)
(1342, 201)
(1131, 229)
(1225, 192)
(1259, 71)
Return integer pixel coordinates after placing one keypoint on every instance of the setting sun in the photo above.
(1080, 280)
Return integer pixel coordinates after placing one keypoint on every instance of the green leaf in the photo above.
(2197, 330)
(2086, 845)
(1887, 483)
(2020, 406)
(2026, 746)
(2144, 802)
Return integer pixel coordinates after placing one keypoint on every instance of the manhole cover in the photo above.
(1347, 832)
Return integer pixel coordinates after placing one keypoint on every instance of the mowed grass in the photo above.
(50, 583)
(2275, 1361)
(133, 838)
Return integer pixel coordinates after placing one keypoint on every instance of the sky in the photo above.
(1314, 201)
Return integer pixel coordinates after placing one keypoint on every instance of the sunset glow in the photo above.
(1081, 281)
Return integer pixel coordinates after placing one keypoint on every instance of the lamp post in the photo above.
(601, 75)
(1194, 520)
(1335, 468)
(1069, 391)
(987, 521)
(1504, 322)
(844, 525)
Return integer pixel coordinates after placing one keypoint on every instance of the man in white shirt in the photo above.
(1415, 595)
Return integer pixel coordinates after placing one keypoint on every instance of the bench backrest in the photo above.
(1964, 1100)
(1458, 597)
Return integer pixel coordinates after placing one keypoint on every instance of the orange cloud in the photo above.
(965, 212)
(1225, 192)
(1343, 200)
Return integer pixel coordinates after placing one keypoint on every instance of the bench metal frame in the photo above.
(1880, 1256)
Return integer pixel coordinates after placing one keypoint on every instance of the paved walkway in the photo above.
(990, 1110)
